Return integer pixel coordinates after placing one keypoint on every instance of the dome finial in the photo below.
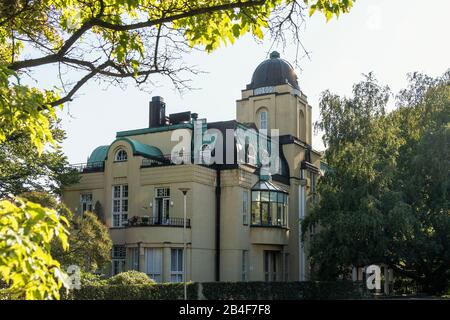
(274, 55)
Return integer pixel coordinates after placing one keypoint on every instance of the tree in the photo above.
(22, 169)
(386, 198)
(89, 242)
(117, 40)
(121, 39)
(26, 231)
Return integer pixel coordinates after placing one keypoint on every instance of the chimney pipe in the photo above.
(157, 112)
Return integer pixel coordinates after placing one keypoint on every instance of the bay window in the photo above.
(269, 205)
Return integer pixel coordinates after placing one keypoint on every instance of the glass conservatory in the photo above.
(269, 205)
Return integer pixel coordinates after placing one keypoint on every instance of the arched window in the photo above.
(121, 155)
(263, 121)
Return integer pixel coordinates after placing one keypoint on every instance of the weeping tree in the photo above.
(386, 198)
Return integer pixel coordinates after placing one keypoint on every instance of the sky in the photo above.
(390, 38)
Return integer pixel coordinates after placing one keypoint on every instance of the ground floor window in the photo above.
(286, 267)
(134, 254)
(118, 259)
(176, 265)
(153, 257)
(244, 276)
(270, 265)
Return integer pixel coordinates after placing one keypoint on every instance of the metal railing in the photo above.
(168, 159)
(157, 221)
(98, 166)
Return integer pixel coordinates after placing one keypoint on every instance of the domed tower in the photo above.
(273, 100)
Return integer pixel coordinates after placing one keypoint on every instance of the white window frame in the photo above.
(245, 207)
(263, 121)
(86, 202)
(176, 275)
(120, 205)
(121, 155)
(119, 255)
(154, 263)
(162, 194)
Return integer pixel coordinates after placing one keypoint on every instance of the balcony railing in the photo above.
(98, 166)
(168, 159)
(157, 221)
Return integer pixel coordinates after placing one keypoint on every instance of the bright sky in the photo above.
(390, 38)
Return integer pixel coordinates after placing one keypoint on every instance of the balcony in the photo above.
(88, 167)
(146, 221)
(168, 160)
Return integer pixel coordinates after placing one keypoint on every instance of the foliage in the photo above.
(116, 39)
(26, 231)
(131, 277)
(386, 198)
(120, 39)
(91, 279)
(89, 241)
(225, 291)
(23, 169)
(90, 244)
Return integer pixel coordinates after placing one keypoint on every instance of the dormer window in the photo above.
(263, 120)
(121, 155)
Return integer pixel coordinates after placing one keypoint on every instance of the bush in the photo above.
(283, 290)
(223, 291)
(130, 278)
(166, 291)
(92, 279)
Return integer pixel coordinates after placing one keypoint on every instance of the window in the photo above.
(153, 257)
(269, 208)
(286, 267)
(134, 254)
(270, 265)
(120, 205)
(245, 205)
(86, 202)
(312, 178)
(250, 152)
(176, 265)
(263, 120)
(121, 155)
(162, 205)
(244, 265)
(118, 259)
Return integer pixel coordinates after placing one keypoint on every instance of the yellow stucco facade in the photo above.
(233, 232)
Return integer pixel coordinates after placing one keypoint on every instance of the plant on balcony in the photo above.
(134, 221)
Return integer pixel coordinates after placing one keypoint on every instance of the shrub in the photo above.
(92, 279)
(223, 291)
(166, 291)
(130, 278)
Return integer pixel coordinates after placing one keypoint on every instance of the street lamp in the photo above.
(184, 191)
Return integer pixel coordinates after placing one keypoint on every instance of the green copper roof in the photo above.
(99, 154)
(139, 148)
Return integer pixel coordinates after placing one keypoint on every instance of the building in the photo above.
(242, 220)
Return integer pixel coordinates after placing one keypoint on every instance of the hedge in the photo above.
(224, 290)
(166, 291)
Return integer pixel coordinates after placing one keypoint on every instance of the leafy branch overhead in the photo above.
(119, 39)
